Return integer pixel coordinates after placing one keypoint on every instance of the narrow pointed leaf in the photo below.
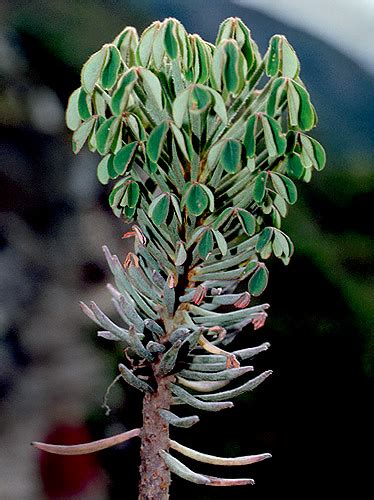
(184, 472)
(92, 447)
(189, 399)
(133, 380)
(183, 422)
(210, 459)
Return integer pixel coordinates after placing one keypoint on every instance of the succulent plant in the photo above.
(202, 143)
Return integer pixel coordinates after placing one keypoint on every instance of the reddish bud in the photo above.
(243, 300)
(259, 321)
(199, 295)
(131, 258)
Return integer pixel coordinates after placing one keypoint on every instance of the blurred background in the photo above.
(315, 413)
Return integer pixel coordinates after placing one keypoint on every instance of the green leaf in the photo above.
(295, 166)
(280, 205)
(230, 156)
(116, 194)
(247, 45)
(180, 141)
(221, 242)
(269, 138)
(152, 86)
(156, 141)
(314, 151)
(260, 187)
(272, 56)
(91, 70)
(144, 49)
(290, 187)
(99, 103)
(276, 92)
(204, 59)
(293, 105)
(84, 105)
(153, 167)
(259, 280)
(319, 154)
(170, 39)
(110, 165)
(159, 209)
(112, 65)
(176, 206)
(282, 244)
(210, 197)
(264, 238)
(274, 139)
(124, 157)
(247, 220)
(306, 111)
(127, 42)
(219, 105)
(279, 185)
(158, 49)
(129, 212)
(81, 134)
(249, 139)
(72, 116)
(231, 75)
(196, 200)
(214, 154)
(133, 193)
(122, 92)
(222, 218)
(290, 62)
(205, 245)
(102, 170)
(180, 254)
(106, 134)
(281, 58)
(200, 99)
(218, 64)
(180, 106)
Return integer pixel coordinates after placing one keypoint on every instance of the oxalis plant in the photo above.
(202, 143)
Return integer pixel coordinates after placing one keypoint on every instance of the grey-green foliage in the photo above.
(203, 157)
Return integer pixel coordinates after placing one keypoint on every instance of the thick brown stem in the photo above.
(154, 474)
